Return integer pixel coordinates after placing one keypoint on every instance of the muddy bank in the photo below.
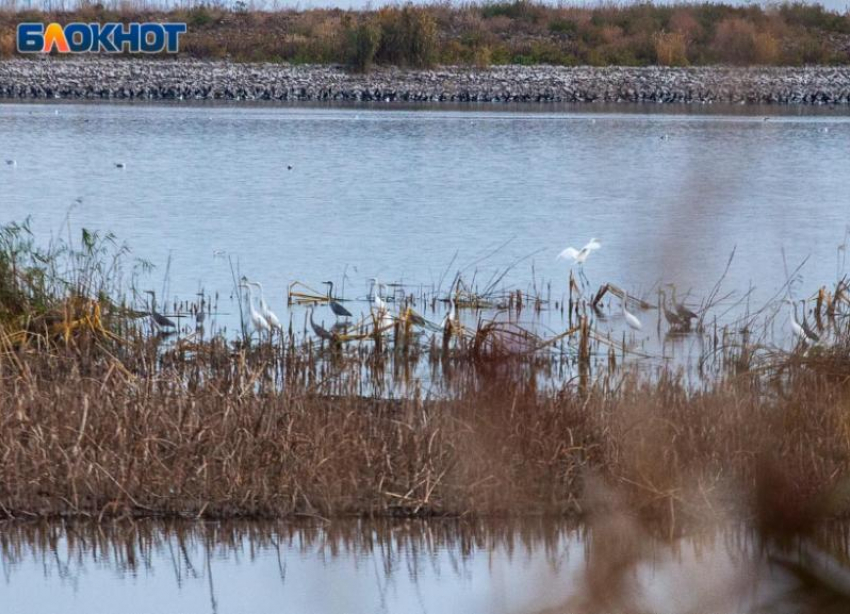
(216, 80)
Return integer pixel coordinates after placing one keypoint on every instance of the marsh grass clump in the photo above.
(66, 290)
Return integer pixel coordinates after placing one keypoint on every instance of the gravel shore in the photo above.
(217, 80)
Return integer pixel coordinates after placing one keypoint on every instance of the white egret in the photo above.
(375, 298)
(267, 313)
(159, 321)
(259, 323)
(631, 320)
(579, 256)
(383, 318)
(801, 329)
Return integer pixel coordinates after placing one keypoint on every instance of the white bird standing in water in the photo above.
(377, 302)
(631, 320)
(267, 313)
(259, 323)
(801, 330)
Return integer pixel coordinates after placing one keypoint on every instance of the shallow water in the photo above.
(414, 195)
(401, 566)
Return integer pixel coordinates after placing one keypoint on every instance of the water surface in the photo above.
(403, 566)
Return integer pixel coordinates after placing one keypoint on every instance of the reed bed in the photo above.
(101, 417)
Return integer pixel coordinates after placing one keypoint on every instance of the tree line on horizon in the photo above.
(522, 32)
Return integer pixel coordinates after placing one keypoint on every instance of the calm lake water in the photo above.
(411, 195)
(404, 566)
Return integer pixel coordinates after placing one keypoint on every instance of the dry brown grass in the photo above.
(214, 435)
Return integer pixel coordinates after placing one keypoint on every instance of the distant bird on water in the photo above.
(11, 162)
(335, 305)
(160, 321)
(120, 165)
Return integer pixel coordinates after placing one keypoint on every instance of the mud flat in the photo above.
(218, 80)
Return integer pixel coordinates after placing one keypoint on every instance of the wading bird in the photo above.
(672, 317)
(321, 332)
(336, 307)
(259, 323)
(631, 320)
(159, 321)
(801, 328)
(685, 314)
(267, 313)
(375, 298)
(200, 313)
(380, 311)
(579, 256)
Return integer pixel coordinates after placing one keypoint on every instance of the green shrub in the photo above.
(408, 37)
(362, 42)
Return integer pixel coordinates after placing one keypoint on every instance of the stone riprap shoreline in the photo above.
(218, 80)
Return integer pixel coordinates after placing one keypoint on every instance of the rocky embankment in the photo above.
(215, 80)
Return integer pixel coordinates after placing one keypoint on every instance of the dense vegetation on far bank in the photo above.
(493, 33)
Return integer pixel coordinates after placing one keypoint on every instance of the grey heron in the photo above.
(335, 305)
(159, 320)
(673, 318)
(259, 323)
(321, 332)
(200, 313)
(682, 310)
